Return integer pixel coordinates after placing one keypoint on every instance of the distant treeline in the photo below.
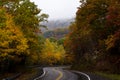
(57, 33)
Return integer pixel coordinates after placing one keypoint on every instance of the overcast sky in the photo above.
(58, 9)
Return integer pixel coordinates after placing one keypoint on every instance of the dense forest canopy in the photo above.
(95, 35)
(92, 40)
(19, 25)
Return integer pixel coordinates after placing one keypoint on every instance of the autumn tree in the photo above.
(85, 30)
(52, 53)
(13, 44)
(112, 42)
(27, 17)
(113, 23)
(96, 31)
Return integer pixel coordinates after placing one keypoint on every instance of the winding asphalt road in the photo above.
(59, 73)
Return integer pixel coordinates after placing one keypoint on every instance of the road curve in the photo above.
(60, 76)
(57, 73)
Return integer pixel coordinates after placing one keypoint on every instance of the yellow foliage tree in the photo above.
(13, 44)
(52, 53)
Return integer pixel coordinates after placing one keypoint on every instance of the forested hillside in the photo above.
(21, 41)
(19, 24)
(94, 38)
(55, 24)
(56, 33)
(89, 43)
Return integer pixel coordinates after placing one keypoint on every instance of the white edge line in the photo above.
(82, 74)
(44, 72)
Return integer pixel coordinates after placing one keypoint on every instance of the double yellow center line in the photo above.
(60, 74)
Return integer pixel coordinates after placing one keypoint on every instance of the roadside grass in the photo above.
(88, 68)
(109, 76)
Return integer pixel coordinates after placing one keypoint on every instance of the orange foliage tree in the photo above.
(96, 31)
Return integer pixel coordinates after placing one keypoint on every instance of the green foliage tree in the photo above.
(27, 14)
(61, 41)
(56, 33)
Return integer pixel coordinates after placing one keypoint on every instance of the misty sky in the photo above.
(58, 9)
